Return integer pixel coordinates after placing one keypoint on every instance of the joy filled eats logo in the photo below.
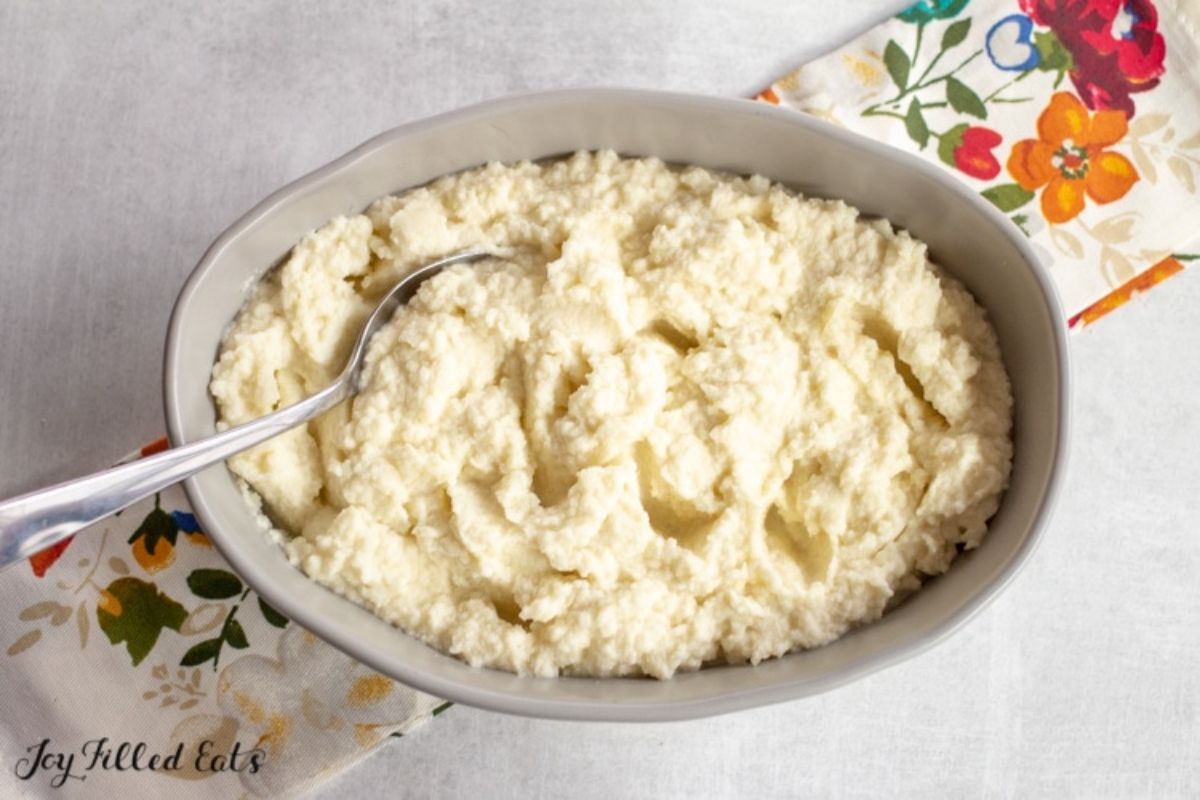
(103, 755)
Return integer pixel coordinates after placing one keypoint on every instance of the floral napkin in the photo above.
(1079, 119)
(136, 664)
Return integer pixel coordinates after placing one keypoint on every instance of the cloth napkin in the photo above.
(136, 663)
(136, 632)
(1079, 119)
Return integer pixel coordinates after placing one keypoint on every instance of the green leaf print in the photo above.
(956, 33)
(1053, 56)
(217, 584)
(235, 635)
(271, 615)
(963, 99)
(914, 123)
(198, 654)
(213, 584)
(897, 63)
(1007, 196)
(135, 612)
(949, 142)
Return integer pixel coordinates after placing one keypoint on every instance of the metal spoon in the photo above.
(34, 521)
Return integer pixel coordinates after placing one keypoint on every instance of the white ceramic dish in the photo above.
(965, 234)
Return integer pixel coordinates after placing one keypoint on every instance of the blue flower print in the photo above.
(1010, 46)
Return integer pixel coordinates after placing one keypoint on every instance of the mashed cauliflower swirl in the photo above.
(683, 418)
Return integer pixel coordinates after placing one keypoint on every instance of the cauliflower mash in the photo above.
(682, 417)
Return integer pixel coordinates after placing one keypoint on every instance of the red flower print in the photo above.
(1115, 46)
(974, 156)
(44, 559)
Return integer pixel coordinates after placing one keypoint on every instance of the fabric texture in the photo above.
(136, 630)
(1078, 119)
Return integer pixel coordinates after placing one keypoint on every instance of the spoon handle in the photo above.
(34, 521)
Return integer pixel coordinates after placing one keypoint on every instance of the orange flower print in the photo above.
(1068, 158)
(158, 559)
(108, 603)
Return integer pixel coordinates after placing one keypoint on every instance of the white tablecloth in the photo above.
(131, 134)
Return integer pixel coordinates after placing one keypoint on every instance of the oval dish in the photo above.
(965, 234)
